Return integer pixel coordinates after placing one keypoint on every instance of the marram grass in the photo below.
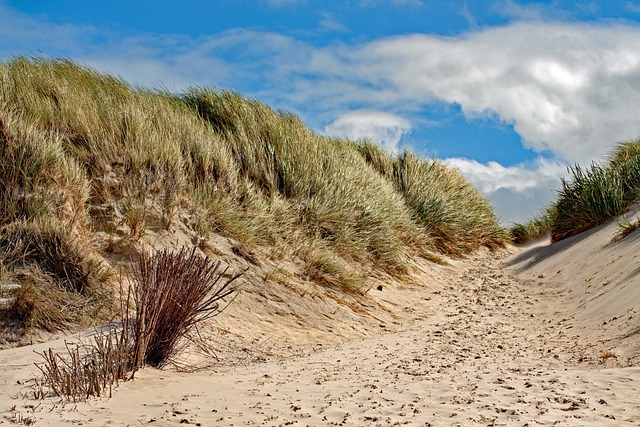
(94, 155)
(597, 194)
(589, 197)
(536, 229)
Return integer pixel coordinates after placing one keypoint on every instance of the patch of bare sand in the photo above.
(470, 344)
(598, 275)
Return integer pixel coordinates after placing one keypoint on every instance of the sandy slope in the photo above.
(476, 344)
(599, 274)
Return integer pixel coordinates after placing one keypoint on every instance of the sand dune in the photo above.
(599, 274)
(544, 336)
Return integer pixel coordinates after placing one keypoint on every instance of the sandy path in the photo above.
(488, 349)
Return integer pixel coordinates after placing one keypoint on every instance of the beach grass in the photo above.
(597, 194)
(535, 229)
(98, 160)
(589, 197)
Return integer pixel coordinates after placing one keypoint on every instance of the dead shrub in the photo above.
(172, 293)
(87, 369)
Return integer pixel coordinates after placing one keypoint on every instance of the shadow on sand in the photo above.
(538, 253)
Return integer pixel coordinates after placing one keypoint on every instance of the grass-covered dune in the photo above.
(590, 197)
(89, 163)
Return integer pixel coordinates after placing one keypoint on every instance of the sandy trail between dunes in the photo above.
(487, 349)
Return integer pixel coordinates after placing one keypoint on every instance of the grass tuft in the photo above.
(625, 227)
(87, 369)
(62, 281)
(57, 252)
(537, 228)
(597, 194)
(455, 216)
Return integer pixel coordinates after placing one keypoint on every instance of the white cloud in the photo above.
(397, 3)
(493, 176)
(413, 3)
(633, 7)
(329, 22)
(529, 12)
(468, 16)
(572, 89)
(518, 192)
(385, 128)
(21, 34)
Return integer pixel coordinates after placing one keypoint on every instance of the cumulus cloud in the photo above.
(385, 128)
(571, 89)
(493, 176)
(517, 192)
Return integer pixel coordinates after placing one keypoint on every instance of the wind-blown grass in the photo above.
(326, 187)
(537, 228)
(597, 194)
(97, 157)
(456, 216)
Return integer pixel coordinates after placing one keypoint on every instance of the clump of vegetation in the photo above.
(589, 197)
(457, 218)
(107, 164)
(62, 281)
(87, 369)
(598, 194)
(171, 293)
(537, 228)
(308, 190)
(625, 227)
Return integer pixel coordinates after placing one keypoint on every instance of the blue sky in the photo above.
(510, 92)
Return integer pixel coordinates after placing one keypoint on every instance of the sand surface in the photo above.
(490, 340)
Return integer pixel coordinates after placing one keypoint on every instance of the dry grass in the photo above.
(626, 226)
(87, 369)
(41, 303)
(598, 194)
(62, 282)
(323, 267)
(75, 144)
(606, 354)
(172, 293)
